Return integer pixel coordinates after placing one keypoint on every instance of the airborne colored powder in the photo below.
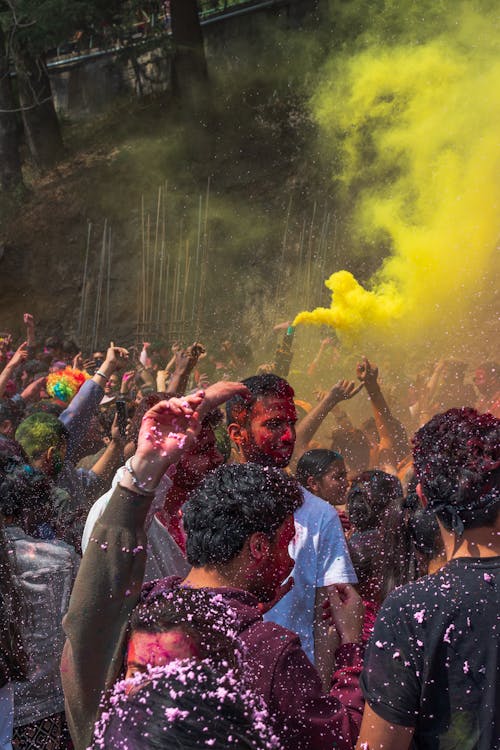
(420, 164)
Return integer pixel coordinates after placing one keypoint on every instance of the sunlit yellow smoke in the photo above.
(420, 130)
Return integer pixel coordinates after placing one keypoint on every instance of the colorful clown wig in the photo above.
(65, 384)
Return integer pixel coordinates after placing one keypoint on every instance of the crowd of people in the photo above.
(188, 559)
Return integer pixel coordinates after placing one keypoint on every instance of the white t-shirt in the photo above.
(321, 559)
(164, 556)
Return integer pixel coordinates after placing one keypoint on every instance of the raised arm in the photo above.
(389, 429)
(185, 362)
(77, 416)
(10, 368)
(29, 322)
(308, 426)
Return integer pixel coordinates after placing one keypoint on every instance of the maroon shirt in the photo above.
(277, 668)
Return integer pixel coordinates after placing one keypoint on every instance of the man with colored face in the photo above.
(262, 428)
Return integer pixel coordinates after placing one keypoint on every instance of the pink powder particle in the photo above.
(466, 667)
(419, 616)
(379, 644)
(487, 577)
(446, 637)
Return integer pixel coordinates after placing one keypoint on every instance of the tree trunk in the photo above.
(190, 77)
(10, 161)
(41, 123)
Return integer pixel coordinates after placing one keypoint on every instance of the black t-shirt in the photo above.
(433, 661)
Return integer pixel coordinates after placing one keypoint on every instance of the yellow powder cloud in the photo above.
(419, 127)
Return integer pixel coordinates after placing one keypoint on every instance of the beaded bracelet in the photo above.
(135, 481)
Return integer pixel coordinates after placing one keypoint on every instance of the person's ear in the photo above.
(237, 433)
(50, 455)
(258, 545)
(313, 485)
(421, 495)
(54, 459)
(6, 427)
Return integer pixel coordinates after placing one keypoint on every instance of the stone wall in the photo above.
(88, 85)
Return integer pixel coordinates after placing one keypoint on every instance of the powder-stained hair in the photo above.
(232, 503)
(184, 704)
(40, 432)
(457, 462)
(239, 408)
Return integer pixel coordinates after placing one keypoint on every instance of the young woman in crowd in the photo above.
(323, 473)
(393, 540)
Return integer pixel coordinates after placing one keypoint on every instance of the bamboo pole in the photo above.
(204, 265)
(281, 269)
(154, 287)
(108, 282)
(298, 278)
(307, 290)
(168, 322)
(83, 300)
(97, 311)
(176, 292)
(187, 263)
(162, 259)
(143, 273)
(148, 270)
(196, 270)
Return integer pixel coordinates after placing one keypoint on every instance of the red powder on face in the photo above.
(158, 649)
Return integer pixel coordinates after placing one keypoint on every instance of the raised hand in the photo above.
(19, 356)
(186, 359)
(367, 372)
(218, 393)
(167, 430)
(344, 390)
(127, 381)
(116, 356)
(78, 362)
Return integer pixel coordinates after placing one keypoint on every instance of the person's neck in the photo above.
(211, 578)
(481, 542)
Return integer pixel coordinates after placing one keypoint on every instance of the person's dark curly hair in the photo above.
(238, 408)
(232, 503)
(370, 494)
(45, 406)
(457, 462)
